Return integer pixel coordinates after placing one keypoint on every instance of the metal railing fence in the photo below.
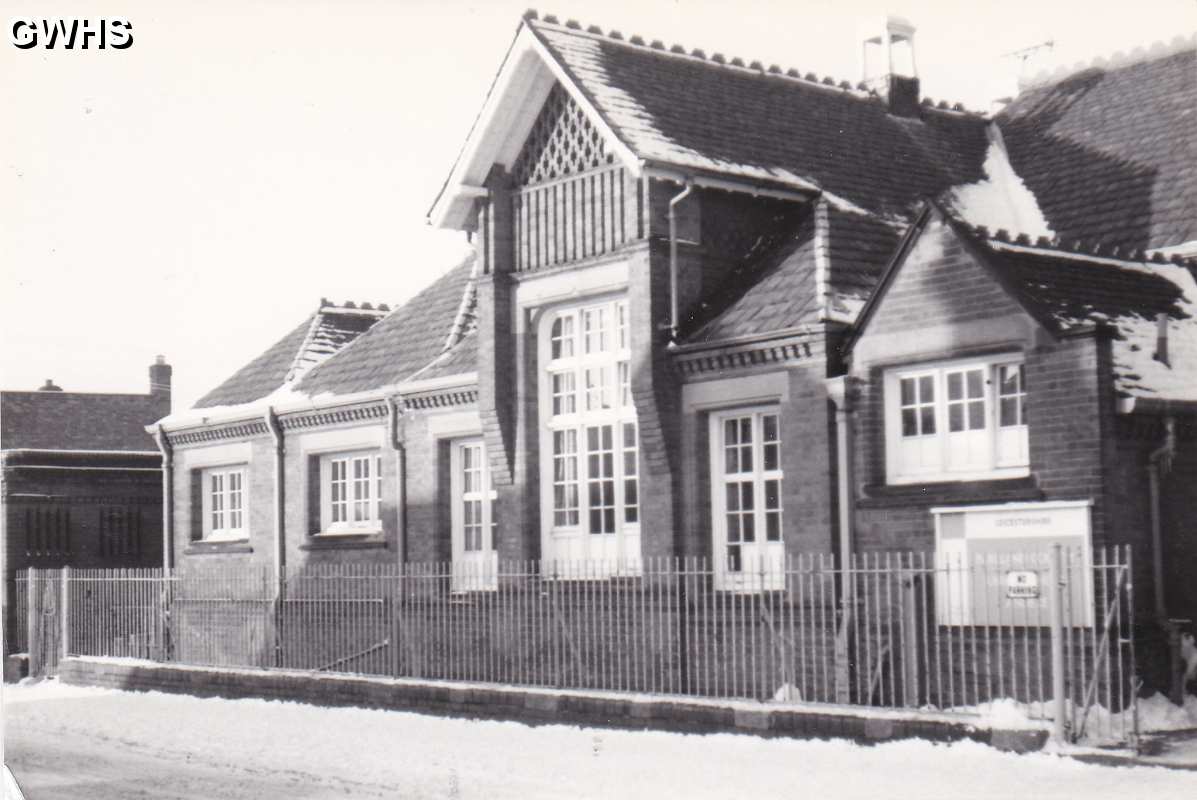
(895, 630)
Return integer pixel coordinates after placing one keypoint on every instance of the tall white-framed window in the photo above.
(351, 492)
(746, 497)
(225, 512)
(590, 464)
(956, 420)
(474, 521)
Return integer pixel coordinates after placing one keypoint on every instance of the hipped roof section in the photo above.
(1110, 151)
(318, 338)
(430, 336)
(685, 113)
(407, 341)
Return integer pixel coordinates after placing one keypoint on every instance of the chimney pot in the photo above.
(50, 387)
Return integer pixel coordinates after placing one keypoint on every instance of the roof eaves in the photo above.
(474, 125)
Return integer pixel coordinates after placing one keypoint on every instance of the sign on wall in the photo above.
(993, 563)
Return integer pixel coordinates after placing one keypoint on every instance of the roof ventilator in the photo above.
(897, 82)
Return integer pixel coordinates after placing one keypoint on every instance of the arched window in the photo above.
(591, 467)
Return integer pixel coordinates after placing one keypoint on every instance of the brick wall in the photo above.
(944, 305)
(83, 518)
(259, 506)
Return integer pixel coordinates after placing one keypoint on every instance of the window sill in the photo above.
(205, 547)
(920, 494)
(345, 541)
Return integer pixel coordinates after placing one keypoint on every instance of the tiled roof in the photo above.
(1070, 289)
(773, 292)
(79, 421)
(686, 111)
(404, 342)
(1111, 153)
(777, 287)
(320, 336)
(859, 247)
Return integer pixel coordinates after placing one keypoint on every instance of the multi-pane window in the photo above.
(747, 489)
(476, 499)
(351, 491)
(593, 464)
(1012, 397)
(474, 517)
(966, 399)
(224, 503)
(600, 478)
(631, 481)
(565, 477)
(956, 421)
(918, 405)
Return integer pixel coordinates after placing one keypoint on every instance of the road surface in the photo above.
(66, 742)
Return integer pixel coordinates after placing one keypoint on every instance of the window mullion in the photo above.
(758, 476)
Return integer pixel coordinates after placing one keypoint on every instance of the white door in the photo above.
(475, 562)
(746, 485)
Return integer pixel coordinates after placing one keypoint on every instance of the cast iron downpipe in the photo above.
(840, 390)
(673, 269)
(280, 528)
(168, 538)
(168, 499)
(394, 412)
(1158, 464)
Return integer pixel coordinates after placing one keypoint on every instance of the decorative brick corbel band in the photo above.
(333, 416)
(237, 430)
(719, 359)
(441, 399)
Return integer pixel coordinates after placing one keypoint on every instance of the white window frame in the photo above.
(347, 512)
(476, 569)
(771, 550)
(224, 493)
(971, 452)
(598, 365)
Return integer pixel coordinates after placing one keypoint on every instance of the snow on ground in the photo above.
(66, 742)
(1156, 714)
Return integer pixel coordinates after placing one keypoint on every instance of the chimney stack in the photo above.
(160, 373)
(896, 79)
(50, 387)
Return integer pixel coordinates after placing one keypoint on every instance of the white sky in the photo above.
(196, 194)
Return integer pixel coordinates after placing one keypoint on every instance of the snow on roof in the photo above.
(1109, 151)
(326, 332)
(676, 111)
(1000, 201)
(430, 336)
(1129, 297)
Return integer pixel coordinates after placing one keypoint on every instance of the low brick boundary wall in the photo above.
(544, 706)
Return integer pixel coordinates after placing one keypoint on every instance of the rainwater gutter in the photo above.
(673, 266)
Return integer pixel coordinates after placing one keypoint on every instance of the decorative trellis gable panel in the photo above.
(562, 142)
(573, 199)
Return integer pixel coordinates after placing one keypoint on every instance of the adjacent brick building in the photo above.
(655, 350)
(81, 480)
